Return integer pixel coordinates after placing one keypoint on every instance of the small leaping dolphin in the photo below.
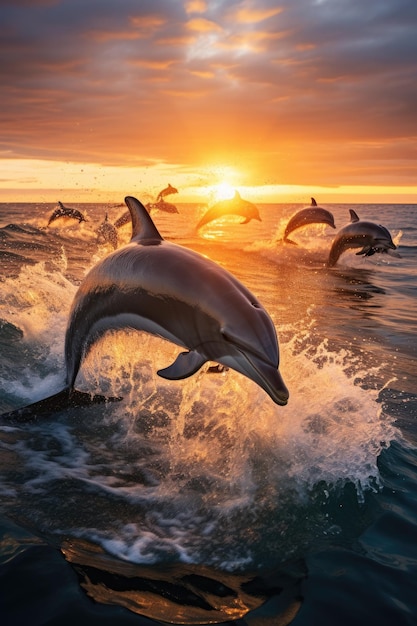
(310, 215)
(370, 237)
(234, 206)
(66, 212)
(175, 293)
(168, 191)
(107, 233)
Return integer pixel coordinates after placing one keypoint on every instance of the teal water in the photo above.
(201, 501)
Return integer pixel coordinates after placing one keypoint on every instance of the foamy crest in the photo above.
(37, 302)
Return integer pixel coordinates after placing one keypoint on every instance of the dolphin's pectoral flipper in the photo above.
(65, 399)
(186, 364)
(366, 250)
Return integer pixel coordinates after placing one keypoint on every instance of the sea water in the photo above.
(208, 472)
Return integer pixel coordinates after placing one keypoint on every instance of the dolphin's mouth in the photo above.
(253, 366)
(269, 378)
(264, 374)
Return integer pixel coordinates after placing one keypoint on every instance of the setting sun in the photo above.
(223, 191)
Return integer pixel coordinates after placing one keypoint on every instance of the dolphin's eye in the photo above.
(256, 305)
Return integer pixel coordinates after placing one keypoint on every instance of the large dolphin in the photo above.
(66, 212)
(310, 215)
(233, 206)
(175, 293)
(370, 237)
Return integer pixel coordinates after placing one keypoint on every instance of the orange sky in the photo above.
(102, 98)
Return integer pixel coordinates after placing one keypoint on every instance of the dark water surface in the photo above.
(201, 501)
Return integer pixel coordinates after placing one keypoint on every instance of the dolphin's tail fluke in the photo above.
(64, 399)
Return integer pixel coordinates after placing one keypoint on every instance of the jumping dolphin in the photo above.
(233, 206)
(166, 192)
(370, 237)
(160, 203)
(107, 233)
(310, 215)
(175, 293)
(64, 211)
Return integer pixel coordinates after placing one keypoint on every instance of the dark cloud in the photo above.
(127, 82)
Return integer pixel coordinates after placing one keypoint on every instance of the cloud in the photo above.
(311, 85)
(195, 6)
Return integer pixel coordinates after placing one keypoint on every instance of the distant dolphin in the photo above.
(166, 192)
(233, 206)
(177, 294)
(64, 211)
(161, 205)
(310, 215)
(107, 233)
(370, 237)
(122, 220)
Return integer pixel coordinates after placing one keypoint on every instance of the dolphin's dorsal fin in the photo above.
(237, 195)
(354, 217)
(313, 202)
(143, 228)
(60, 204)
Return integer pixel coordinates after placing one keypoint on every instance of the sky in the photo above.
(279, 99)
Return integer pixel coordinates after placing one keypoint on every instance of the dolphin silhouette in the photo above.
(166, 192)
(310, 215)
(175, 293)
(234, 206)
(162, 205)
(370, 237)
(64, 211)
(122, 220)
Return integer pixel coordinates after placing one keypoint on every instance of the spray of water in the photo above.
(205, 469)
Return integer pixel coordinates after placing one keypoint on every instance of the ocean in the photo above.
(201, 501)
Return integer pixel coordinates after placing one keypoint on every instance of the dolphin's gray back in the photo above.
(138, 286)
(309, 215)
(359, 234)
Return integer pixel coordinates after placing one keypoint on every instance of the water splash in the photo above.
(207, 469)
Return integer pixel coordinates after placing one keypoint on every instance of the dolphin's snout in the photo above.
(269, 378)
(279, 393)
